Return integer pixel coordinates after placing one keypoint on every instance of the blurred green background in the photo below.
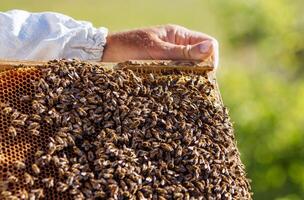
(261, 72)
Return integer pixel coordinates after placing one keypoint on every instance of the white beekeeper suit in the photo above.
(48, 35)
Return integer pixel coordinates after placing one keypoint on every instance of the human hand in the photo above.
(161, 43)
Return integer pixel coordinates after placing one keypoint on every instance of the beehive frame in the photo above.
(25, 71)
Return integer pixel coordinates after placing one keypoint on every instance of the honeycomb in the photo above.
(13, 85)
(17, 83)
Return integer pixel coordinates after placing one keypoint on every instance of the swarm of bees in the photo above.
(121, 134)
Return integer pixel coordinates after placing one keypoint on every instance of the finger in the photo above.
(185, 36)
(198, 51)
(215, 48)
(196, 37)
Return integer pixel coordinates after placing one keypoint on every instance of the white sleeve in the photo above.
(47, 35)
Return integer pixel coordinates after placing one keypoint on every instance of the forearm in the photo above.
(44, 36)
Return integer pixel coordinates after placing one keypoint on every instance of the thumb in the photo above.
(198, 51)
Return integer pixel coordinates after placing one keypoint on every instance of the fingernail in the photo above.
(205, 47)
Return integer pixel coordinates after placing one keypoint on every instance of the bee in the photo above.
(6, 194)
(91, 156)
(59, 140)
(179, 151)
(7, 110)
(70, 180)
(12, 131)
(49, 182)
(76, 75)
(33, 125)
(120, 81)
(135, 123)
(81, 111)
(51, 148)
(19, 165)
(166, 147)
(54, 114)
(154, 116)
(62, 187)
(77, 151)
(95, 184)
(107, 116)
(53, 96)
(13, 197)
(38, 106)
(63, 131)
(59, 90)
(74, 191)
(29, 179)
(18, 122)
(151, 77)
(45, 159)
(99, 194)
(79, 196)
(12, 179)
(42, 83)
(86, 145)
(136, 90)
(32, 196)
(26, 98)
(48, 120)
(65, 82)
(34, 132)
(65, 119)
(23, 117)
(92, 100)
(47, 71)
(15, 114)
(114, 102)
(113, 188)
(39, 193)
(35, 117)
(39, 153)
(141, 196)
(39, 95)
(107, 176)
(70, 140)
(87, 192)
(35, 168)
(200, 185)
(49, 100)
(56, 161)
(23, 194)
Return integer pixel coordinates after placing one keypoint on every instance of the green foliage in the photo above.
(262, 65)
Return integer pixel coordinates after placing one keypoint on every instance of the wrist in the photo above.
(105, 56)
